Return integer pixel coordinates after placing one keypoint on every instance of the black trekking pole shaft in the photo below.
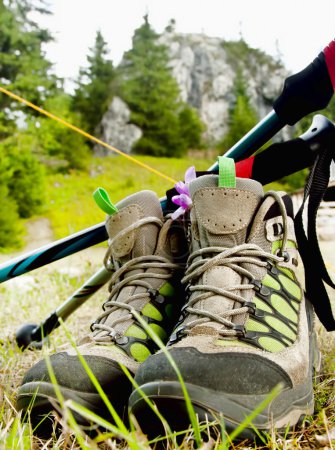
(303, 93)
(285, 158)
(308, 91)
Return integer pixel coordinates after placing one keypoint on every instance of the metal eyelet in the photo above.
(251, 307)
(284, 255)
(118, 338)
(259, 287)
(272, 268)
(257, 284)
(176, 335)
(240, 330)
(153, 293)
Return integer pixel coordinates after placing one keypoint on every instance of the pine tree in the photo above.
(242, 116)
(95, 89)
(60, 148)
(152, 94)
(23, 66)
(191, 128)
(24, 71)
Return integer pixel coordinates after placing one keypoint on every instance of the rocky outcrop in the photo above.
(205, 69)
(116, 130)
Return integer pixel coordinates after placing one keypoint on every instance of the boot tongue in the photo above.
(140, 241)
(223, 214)
(220, 217)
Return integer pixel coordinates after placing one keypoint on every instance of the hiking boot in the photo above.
(246, 326)
(143, 257)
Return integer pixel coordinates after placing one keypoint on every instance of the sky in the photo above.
(296, 29)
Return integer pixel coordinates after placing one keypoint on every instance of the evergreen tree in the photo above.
(25, 71)
(152, 94)
(59, 147)
(191, 128)
(10, 227)
(23, 67)
(95, 88)
(242, 116)
(26, 181)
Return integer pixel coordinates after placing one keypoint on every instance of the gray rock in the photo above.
(205, 69)
(205, 72)
(116, 130)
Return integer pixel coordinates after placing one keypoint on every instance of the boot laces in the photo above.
(205, 259)
(121, 279)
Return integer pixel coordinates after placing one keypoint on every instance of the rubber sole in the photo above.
(285, 411)
(38, 399)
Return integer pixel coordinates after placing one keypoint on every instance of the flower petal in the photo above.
(190, 174)
(178, 212)
(181, 188)
(182, 200)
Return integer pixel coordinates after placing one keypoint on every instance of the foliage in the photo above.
(70, 195)
(152, 95)
(239, 52)
(191, 127)
(59, 147)
(23, 67)
(242, 116)
(9, 225)
(25, 71)
(95, 85)
(26, 183)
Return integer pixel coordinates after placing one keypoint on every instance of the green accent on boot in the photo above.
(280, 326)
(227, 172)
(262, 305)
(282, 306)
(277, 245)
(291, 287)
(253, 325)
(269, 281)
(136, 332)
(231, 343)
(139, 352)
(152, 312)
(270, 344)
(103, 201)
(167, 290)
(161, 333)
(288, 272)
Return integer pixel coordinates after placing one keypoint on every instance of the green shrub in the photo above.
(10, 230)
(25, 175)
(27, 184)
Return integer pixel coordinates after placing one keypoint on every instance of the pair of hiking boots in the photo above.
(223, 295)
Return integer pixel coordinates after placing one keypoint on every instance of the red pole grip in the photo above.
(329, 53)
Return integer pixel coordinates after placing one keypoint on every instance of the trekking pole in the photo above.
(34, 335)
(303, 93)
(317, 138)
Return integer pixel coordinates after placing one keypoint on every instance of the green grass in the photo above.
(70, 205)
